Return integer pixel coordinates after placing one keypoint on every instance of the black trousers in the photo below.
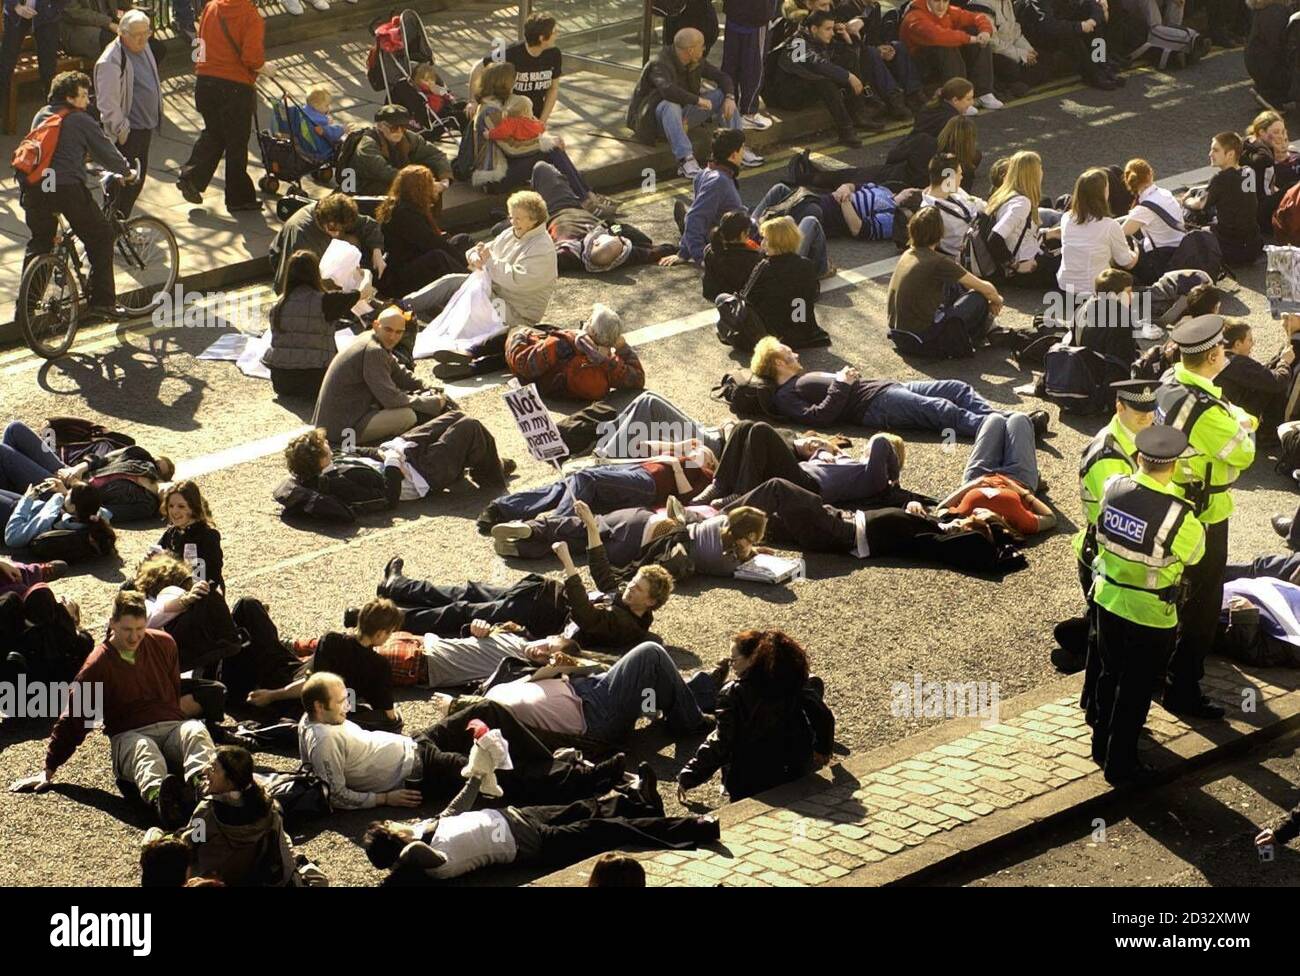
(580, 830)
(449, 444)
(700, 14)
(797, 516)
(87, 221)
(302, 383)
(1198, 617)
(135, 148)
(1092, 667)
(264, 661)
(971, 61)
(794, 93)
(1131, 658)
(1278, 567)
(537, 776)
(227, 110)
(534, 603)
(46, 36)
(754, 453)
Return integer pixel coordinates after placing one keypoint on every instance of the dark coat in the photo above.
(727, 268)
(416, 252)
(784, 293)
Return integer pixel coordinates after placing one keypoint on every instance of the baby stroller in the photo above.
(293, 147)
(401, 43)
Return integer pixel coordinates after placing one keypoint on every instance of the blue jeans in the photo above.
(643, 681)
(674, 119)
(24, 459)
(604, 489)
(808, 215)
(1005, 445)
(899, 72)
(928, 405)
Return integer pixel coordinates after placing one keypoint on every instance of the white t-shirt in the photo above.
(958, 211)
(1160, 233)
(469, 841)
(158, 617)
(549, 704)
(1010, 220)
(1088, 249)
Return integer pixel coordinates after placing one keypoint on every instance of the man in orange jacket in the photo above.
(582, 365)
(948, 42)
(230, 55)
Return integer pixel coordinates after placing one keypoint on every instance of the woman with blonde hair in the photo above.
(1091, 239)
(783, 288)
(1016, 222)
(1156, 221)
(1276, 166)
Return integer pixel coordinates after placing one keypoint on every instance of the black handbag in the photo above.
(739, 324)
(303, 796)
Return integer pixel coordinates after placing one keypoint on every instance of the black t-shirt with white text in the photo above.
(533, 75)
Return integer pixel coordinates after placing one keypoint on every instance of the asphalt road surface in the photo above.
(865, 626)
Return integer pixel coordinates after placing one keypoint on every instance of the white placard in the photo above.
(536, 424)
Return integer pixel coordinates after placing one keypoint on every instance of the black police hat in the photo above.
(1136, 394)
(1199, 334)
(1160, 443)
(393, 115)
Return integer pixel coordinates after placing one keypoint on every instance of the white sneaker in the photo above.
(319, 4)
(751, 158)
(755, 120)
(1150, 332)
(688, 167)
(989, 101)
(972, 110)
(293, 7)
(860, 531)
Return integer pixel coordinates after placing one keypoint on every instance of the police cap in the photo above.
(1198, 334)
(1161, 444)
(1136, 394)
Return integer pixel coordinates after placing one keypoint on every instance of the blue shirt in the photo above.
(852, 480)
(145, 96)
(715, 194)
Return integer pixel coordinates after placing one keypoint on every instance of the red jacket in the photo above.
(134, 695)
(559, 368)
(247, 30)
(921, 28)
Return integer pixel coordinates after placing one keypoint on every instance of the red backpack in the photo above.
(32, 157)
(1286, 218)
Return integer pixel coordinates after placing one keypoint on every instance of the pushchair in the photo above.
(293, 147)
(401, 43)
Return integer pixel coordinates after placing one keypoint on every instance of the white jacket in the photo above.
(114, 87)
(523, 272)
(1008, 39)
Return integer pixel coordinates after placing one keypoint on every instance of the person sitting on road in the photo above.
(1015, 241)
(731, 254)
(1232, 200)
(1091, 239)
(366, 769)
(1072, 28)
(822, 399)
(368, 394)
(418, 252)
(237, 834)
(716, 191)
(949, 42)
(42, 632)
(668, 100)
(313, 227)
(957, 207)
(80, 137)
(785, 286)
(430, 457)
(928, 287)
(1267, 151)
(773, 726)
(1261, 390)
(583, 365)
(383, 150)
(191, 533)
(149, 736)
(619, 616)
(1156, 221)
(304, 319)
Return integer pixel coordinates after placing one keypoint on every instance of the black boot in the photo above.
(896, 106)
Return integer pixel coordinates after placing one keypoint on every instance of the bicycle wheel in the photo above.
(49, 302)
(146, 261)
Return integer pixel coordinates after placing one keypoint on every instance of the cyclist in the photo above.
(80, 137)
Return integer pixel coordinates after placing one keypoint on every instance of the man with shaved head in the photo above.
(668, 100)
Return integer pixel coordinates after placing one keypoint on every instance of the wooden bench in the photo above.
(27, 72)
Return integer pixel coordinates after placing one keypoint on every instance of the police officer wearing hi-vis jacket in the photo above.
(1222, 438)
(1147, 533)
(1110, 453)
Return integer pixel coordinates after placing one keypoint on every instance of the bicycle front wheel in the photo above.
(146, 261)
(49, 301)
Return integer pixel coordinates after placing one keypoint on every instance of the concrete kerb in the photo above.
(1192, 749)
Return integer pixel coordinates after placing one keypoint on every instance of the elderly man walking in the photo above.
(128, 92)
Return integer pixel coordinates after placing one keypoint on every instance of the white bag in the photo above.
(469, 318)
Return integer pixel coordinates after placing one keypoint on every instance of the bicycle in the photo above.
(52, 292)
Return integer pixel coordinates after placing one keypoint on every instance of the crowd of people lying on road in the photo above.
(1134, 329)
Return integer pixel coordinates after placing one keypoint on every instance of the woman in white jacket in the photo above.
(1091, 239)
(1012, 52)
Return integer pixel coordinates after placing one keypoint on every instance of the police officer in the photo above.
(1222, 438)
(1110, 453)
(1146, 534)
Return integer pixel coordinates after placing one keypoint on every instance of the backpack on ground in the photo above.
(1168, 40)
(32, 157)
(70, 545)
(1286, 218)
(1078, 379)
(744, 393)
(303, 796)
(946, 338)
(1199, 250)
